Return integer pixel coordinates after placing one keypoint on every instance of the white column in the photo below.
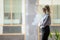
(1, 15)
(23, 16)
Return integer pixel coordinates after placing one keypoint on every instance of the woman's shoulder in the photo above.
(46, 15)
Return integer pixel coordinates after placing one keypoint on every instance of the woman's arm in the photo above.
(43, 21)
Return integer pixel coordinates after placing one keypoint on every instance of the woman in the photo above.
(44, 22)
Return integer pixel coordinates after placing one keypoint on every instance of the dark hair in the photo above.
(47, 8)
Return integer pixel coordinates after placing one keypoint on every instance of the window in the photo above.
(11, 16)
(12, 27)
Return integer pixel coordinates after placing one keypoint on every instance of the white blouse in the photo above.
(42, 21)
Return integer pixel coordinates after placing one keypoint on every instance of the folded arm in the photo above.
(43, 21)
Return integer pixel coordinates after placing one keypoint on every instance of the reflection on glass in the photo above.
(13, 29)
(7, 18)
(17, 11)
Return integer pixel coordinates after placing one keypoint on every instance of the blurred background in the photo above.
(16, 17)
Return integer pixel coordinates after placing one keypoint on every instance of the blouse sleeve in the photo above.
(44, 20)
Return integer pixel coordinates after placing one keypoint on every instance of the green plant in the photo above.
(57, 35)
(51, 36)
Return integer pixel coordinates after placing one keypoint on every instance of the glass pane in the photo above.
(55, 11)
(53, 28)
(17, 11)
(7, 12)
(11, 29)
(56, 14)
(59, 11)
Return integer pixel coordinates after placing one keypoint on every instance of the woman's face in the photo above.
(44, 10)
